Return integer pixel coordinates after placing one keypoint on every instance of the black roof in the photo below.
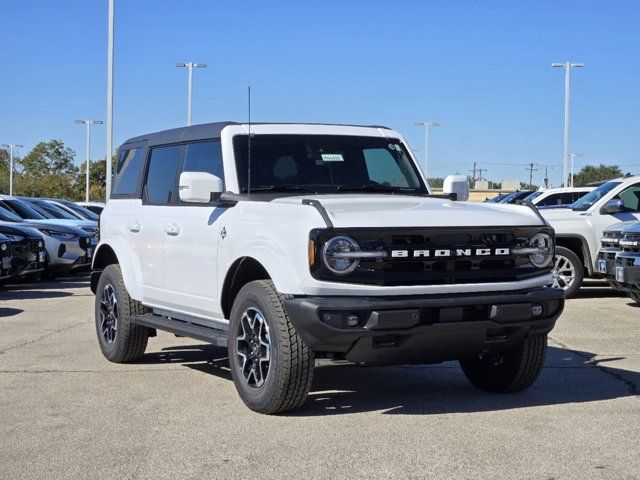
(210, 130)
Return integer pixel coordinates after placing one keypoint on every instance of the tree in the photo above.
(436, 182)
(4, 171)
(48, 170)
(590, 173)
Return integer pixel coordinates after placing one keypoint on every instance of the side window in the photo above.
(383, 168)
(631, 198)
(550, 200)
(567, 198)
(128, 171)
(204, 157)
(161, 175)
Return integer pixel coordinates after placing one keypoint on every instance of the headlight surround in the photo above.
(332, 254)
(14, 238)
(4, 247)
(57, 234)
(544, 244)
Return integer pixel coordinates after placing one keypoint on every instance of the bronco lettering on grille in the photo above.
(460, 252)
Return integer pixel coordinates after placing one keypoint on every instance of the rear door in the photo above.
(148, 225)
(191, 247)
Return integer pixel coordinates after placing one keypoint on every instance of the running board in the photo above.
(184, 328)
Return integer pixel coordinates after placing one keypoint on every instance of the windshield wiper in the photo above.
(280, 188)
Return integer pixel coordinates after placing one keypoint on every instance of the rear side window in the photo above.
(128, 171)
(161, 175)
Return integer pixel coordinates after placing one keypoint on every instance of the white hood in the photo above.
(67, 222)
(372, 210)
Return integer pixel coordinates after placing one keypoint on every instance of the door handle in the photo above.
(134, 226)
(172, 229)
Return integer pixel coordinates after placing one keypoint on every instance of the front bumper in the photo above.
(606, 262)
(423, 329)
(627, 269)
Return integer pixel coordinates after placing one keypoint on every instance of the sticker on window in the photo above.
(332, 157)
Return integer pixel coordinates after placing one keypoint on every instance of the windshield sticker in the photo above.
(332, 157)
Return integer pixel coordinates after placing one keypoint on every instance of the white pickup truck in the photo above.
(290, 242)
(579, 228)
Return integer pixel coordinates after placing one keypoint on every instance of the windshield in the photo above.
(51, 211)
(590, 199)
(8, 216)
(531, 196)
(23, 209)
(326, 163)
(82, 211)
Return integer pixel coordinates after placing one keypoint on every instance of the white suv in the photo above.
(290, 242)
(579, 228)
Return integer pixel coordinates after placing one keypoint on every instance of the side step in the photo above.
(184, 328)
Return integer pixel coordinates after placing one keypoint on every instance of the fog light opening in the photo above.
(353, 320)
(62, 250)
(536, 309)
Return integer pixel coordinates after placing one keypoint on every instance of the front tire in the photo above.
(271, 367)
(568, 271)
(121, 341)
(510, 371)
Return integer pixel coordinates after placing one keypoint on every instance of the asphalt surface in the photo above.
(65, 412)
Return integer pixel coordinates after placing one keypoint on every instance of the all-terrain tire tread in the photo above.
(133, 338)
(294, 381)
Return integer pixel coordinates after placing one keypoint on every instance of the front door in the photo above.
(191, 244)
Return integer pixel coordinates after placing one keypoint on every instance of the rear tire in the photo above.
(568, 271)
(120, 340)
(510, 371)
(271, 367)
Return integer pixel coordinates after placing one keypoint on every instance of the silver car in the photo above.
(67, 248)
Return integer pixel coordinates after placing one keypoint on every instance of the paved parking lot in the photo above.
(65, 412)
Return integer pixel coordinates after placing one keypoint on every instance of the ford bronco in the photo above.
(290, 242)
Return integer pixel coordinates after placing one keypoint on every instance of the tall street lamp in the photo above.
(109, 143)
(11, 147)
(190, 66)
(426, 126)
(88, 123)
(567, 75)
(573, 159)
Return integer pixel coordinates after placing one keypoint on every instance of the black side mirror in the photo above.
(612, 206)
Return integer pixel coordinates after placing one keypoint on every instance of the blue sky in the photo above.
(482, 68)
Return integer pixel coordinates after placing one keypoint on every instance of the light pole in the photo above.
(190, 66)
(11, 147)
(426, 126)
(88, 123)
(573, 159)
(567, 76)
(109, 151)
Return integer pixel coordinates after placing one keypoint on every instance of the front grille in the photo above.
(611, 239)
(33, 245)
(634, 247)
(607, 254)
(431, 270)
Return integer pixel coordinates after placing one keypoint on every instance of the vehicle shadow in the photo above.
(593, 291)
(340, 387)
(10, 312)
(44, 288)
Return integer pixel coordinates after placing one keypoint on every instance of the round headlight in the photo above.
(40, 244)
(335, 255)
(544, 244)
(3, 247)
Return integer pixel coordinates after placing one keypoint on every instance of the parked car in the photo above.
(628, 262)
(497, 198)
(556, 196)
(52, 215)
(27, 250)
(580, 226)
(5, 258)
(74, 209)
(95, 207)
(316, 241)
(66, 248)
(515, 196)
(609, 249)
